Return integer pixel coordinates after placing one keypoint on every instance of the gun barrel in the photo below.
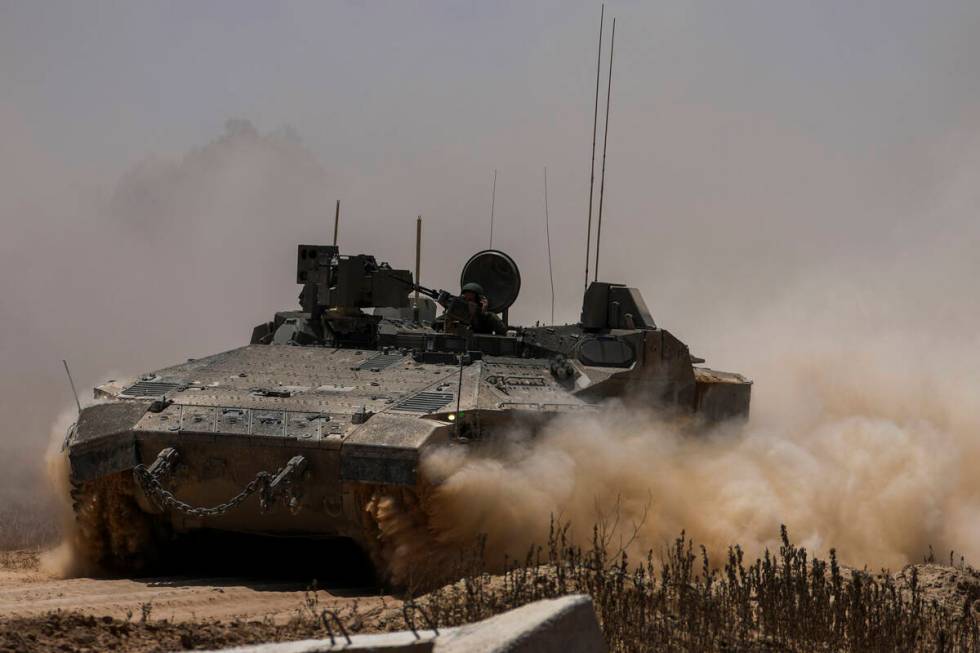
(429, 292)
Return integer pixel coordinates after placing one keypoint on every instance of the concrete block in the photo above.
(564, 625)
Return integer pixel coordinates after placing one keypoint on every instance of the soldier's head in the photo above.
(472, 292)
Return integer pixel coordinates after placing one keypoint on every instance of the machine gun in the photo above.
(441, 297)
(337, 287)
(457, 308)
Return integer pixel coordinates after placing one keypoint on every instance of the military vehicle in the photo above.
(293, 434)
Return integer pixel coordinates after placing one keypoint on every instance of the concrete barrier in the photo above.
(564, 625)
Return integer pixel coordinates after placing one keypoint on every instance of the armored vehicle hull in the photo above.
(294, 434)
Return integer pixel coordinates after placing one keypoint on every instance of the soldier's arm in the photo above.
(499, 328)
(444, 299)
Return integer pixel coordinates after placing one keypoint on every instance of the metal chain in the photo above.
(152, 487)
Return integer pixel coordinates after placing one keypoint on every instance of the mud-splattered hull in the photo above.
(242, 482)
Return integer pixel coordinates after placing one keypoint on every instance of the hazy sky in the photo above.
(759, 108)
(752, 146)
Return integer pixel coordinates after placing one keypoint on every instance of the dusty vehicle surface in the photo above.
(293, 434)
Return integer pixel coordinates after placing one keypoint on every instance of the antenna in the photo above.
(418, 265)
(336, 223)
(459, 395)
(605, 142)
(493, 197)
(595, 124)
(72, 383)
(547, 232)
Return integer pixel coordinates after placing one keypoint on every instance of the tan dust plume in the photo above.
(65, 559)
(98, 520)
(867, 445)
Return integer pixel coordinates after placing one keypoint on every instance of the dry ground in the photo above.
(41, 613)
(82, 633)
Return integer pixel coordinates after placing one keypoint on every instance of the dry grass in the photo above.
(782, 601)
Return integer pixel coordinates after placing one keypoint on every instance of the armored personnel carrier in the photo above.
(294, 433)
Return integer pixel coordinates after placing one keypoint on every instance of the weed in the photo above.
(784, 600)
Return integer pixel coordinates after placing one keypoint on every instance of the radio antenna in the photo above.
(493, 197)
(336, 223)
(547, 233)
(595, 124)
(459, 396)
(72, 384)
(418, 267)
(605, 142)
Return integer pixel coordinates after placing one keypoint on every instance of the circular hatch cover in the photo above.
(499, 276)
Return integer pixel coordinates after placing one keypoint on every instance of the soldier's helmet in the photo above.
(474, 288)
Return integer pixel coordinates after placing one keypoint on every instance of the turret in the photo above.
(333, 281)
(335, 290)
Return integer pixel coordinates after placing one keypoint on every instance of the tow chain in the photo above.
(268, 485)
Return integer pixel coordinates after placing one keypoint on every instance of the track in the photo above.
(26, 591)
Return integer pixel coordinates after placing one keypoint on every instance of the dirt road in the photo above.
(25, 591)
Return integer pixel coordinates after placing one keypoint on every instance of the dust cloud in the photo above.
(867, 445)
(65, 559)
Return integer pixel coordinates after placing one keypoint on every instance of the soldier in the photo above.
(480, 319)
